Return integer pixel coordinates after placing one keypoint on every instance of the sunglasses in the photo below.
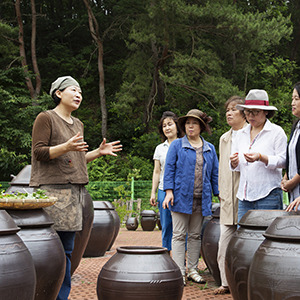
(254, 112)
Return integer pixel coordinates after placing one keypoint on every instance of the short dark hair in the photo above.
(238, 100)
(171, 115)
(297, 87)
(55, 98)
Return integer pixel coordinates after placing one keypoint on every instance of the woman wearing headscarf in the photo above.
(259, 156)
(59, 158)
(191, 176)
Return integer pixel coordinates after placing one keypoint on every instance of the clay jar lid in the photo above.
(31, 218)
(109, 204)
(261, 219)
(23, 178)
(7, 224)
(284, 228)
(101, 205)
(148, 213)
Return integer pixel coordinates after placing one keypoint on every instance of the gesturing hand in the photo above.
(76, 143)
(110, 148)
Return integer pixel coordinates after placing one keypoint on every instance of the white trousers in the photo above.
(186, 227)
(226, 232)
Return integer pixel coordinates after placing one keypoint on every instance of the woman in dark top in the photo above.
(59, 158)
(291, 179)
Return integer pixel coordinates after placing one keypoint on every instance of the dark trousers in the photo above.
(67, 238)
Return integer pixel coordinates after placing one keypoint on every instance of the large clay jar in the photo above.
(243, 245)
(116, 218)
(148, 220)
(132, 223)
(82, 237)
(20, 183)
(274, 272)
(135, 273)
(102, 231)
(17, 272)
(46, 250)
(158, 223)
(210, 245)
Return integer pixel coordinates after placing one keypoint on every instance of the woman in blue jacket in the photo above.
(190, 179)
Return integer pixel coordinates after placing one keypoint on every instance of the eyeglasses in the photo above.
(251, 111)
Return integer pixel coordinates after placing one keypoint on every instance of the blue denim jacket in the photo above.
(180, 174)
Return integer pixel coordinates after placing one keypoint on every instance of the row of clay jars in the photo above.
(45, 248)
(274, 271)
(242, 247)
(17, 271)
(149, 219)
(105, 228)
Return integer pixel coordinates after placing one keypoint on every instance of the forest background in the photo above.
(135, 59)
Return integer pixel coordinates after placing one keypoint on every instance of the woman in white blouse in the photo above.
(259, 156)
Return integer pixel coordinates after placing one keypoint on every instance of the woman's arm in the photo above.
(155, 181)
(289, 184)
(75, 143)
(104, 149)
(293, 205)
(168, 199)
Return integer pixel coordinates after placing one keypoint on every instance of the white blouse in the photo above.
(257, 180)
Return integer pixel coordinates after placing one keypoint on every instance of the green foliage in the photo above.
(11, 163)
(119, 168)
(195, 53)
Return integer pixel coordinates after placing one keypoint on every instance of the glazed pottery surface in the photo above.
(20, 183)
(243, 245)
(158, 223)
(46, 250)
(275, 269)
(17, 271)
(210, 245)
(148, 220)
(102, 231)
(132, 223)
(116, 222)
(136, 273)
(82, 237)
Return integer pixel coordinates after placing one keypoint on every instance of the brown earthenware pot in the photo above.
(116, 218)
(148, 220)
(17, 272)
(274, 272)
(20, 183)
(45, 248)
(136, 273)
(132, 223)
(243, 245)
(210, 245)
(102, 231)
(82, 237)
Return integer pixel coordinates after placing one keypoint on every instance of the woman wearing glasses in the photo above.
(291, 179)
(259, 155)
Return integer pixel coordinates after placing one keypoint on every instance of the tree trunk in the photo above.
(38, 82)
(22, 49)
(94, 29)
(157, 89)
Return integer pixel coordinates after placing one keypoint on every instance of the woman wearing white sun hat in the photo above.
(259, 155)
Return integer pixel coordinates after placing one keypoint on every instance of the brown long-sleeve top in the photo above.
(49, 129)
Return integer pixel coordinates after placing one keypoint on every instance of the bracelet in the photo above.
(259, 157)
